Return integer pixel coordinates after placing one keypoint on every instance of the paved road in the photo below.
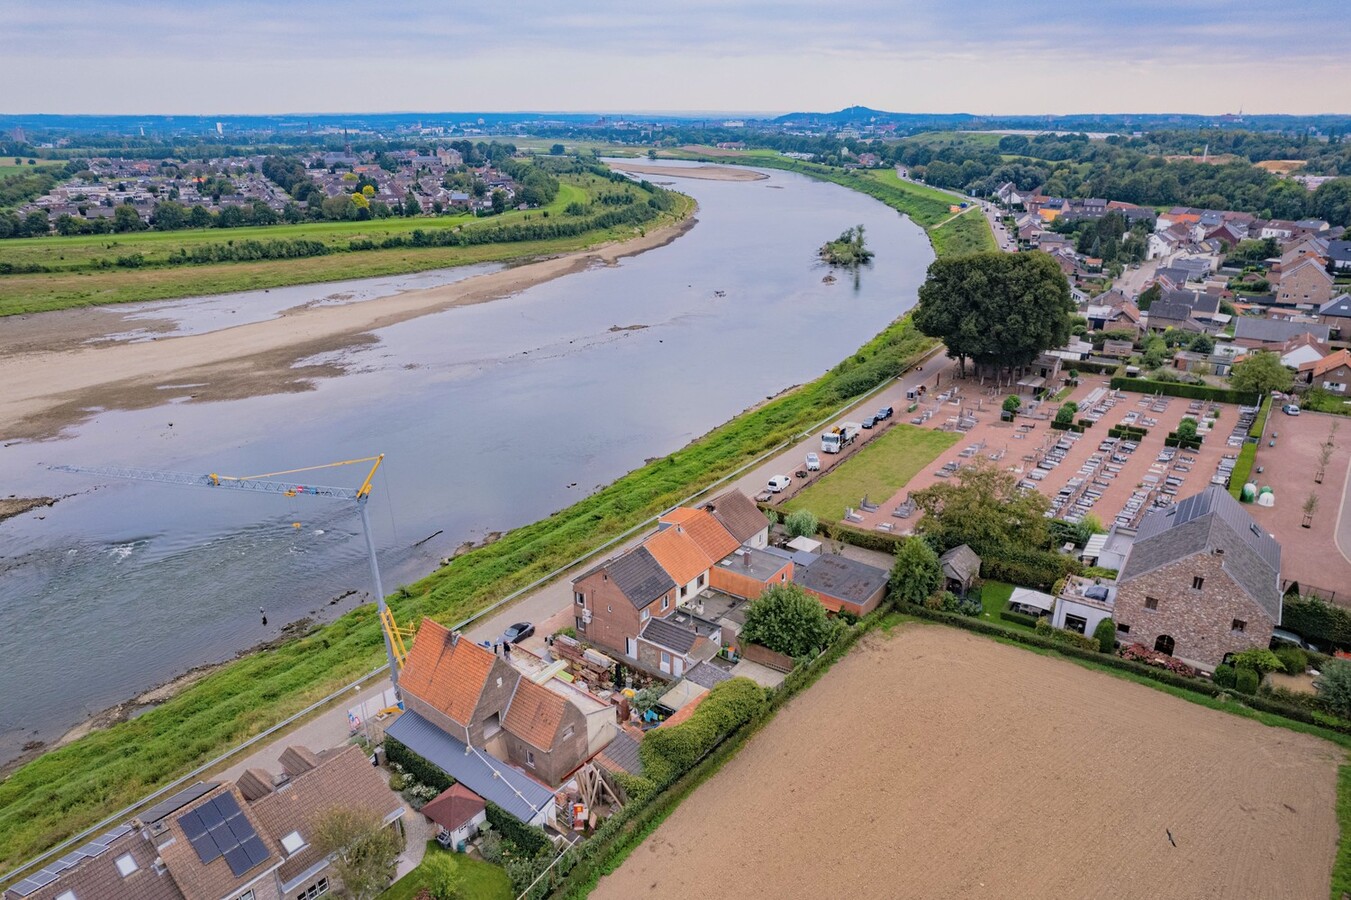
(1132, 281)
(1007, 242)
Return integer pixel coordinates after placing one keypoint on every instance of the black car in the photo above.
(870, 421)
(883, 413)
(517, 633)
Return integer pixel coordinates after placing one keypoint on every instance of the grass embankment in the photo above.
(72, 787)
(7, 169)
(881, 467)
(85, 273)
(926, 206)
(478, 880)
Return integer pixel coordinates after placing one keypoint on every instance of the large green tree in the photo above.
(984, 508)
(1261, 372)
(363, 851)
(999, 310)
(788, 620)
(917, 572)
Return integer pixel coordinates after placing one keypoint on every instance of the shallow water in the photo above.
(491, 417)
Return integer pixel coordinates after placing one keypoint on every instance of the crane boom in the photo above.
(268, 484)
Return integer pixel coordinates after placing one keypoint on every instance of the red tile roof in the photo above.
(677, 553)
(454, 807)
(446, 671)
(710, 534)
(535, 714)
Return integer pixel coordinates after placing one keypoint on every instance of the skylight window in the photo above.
(292, 842)
(126, 865)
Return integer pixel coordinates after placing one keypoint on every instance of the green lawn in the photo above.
(968, 233)
(884, 466)
(479, 880)
(8, 168)
(994, 597)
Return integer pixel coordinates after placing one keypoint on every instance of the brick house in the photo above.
(1331, 373)
(219, 841)
(481, 701)
(1306, 283)
(1202, 579)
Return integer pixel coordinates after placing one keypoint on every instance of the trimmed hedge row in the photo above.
(1111, 660)
(1188, 391)
(1128, 432)
(669, 752)
(1018, 618)
(529, 838)
(416, 766)
(1185, 443)
(1086, 365)
(1242, 469)
(1315, 620)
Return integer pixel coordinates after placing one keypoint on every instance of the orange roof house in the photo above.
(678, 553)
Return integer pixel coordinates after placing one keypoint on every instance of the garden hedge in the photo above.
(1317, 621)
(1246, 681)
(416, 766)
(1018, 618)
(528, 838)
(1188, 391)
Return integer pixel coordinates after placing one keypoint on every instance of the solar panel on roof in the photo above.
(227, 805)
(191, 823)
(43, 878)
(240, 829)
(238, 858)
(256, 850)
(117, 832)
(205, 847)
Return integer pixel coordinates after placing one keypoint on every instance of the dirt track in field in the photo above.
(933, 763)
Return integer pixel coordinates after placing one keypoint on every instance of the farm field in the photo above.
(937, 763)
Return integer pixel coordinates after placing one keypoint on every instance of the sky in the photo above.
(1001, 57)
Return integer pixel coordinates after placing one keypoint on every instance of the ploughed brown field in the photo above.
(937, 763)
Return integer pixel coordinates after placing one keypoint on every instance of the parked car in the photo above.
(884, 413)
(778, 483)
(870, 421)
(813, 462)
(517, 633)
(1290, 409)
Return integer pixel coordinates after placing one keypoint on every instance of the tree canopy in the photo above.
(999, 310)
(917, 572)
(788, 620)
(363, 851)
(984, 508)
(1261, 372)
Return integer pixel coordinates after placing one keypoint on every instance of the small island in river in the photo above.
(848, 250)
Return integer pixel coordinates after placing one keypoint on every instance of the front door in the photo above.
(631, 647)
(678, 667)
(665, 662)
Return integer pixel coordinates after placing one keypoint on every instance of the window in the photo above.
(292, 842)
(530, 758)
(1165, 644)
(1076, 623)
(66, 895)
(1151, 603)
(666, 602)
(1123, 629)
(701, 580)
(647, 614)
(126, 865)
(318, 889)
(1197, 581)
(581, 625)
(684, 590)
(567, 732)
(491, 726)
(609, 608)
(247, 895)
(580, 598)
(1238, 625)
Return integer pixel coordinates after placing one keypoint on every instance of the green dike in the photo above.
(81, 270)
(70, 788)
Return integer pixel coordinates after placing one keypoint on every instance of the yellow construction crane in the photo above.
(269, 483)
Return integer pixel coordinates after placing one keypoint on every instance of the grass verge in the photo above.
(882, 467)
(478, 879)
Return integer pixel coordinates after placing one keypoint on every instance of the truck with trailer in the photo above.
(840, 436)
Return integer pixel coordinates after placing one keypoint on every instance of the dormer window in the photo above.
(66, 895)
(126, 865)
(292, 843)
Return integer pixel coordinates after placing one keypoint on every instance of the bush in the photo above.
(1008, 615)
(670, 751)
(1334, 687)
(529, 839)
(788, 620)
(1105, 635)
(1315, 620)
(421, 770)
(917, 572)
(1294, 661)
(1061, 636)
(441, 876)
(801, 523)
(1246, 681)
(1259, 659)
(1188, 391)
(1224, 675)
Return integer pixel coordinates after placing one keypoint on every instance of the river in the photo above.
(491, 416)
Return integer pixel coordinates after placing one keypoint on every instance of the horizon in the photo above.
(248, 57)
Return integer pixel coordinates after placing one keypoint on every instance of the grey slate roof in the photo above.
(738, 514)
(1339, 251)
(841, 578)
(707, 675)
(960, 564)
(668, 635)
(639, 576)
(621, 755)
(1208, 521)
(1196, 301)
(1276, 331)
(490, 778)
(1339, 306)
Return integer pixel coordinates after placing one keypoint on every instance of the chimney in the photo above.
(746, 558)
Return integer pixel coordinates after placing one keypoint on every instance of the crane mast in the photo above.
(270, 483)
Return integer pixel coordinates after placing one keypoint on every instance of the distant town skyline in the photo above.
(222, 57)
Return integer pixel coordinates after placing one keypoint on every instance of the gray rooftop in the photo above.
(707, 675)
(753, 563)
(490, 778)
(960, 563)
(1339, 306)
(841, 578)
(1209, 521)
(1339, 251)
(1276, 331)
(670, 635)
(621, 754)
(640, 577)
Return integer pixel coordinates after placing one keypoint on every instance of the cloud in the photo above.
(251, 55)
